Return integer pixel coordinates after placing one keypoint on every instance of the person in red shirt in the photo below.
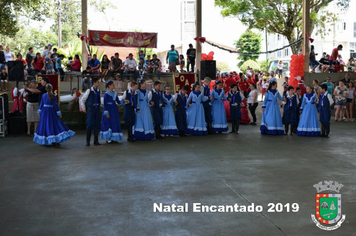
(334, 54)
(19, 58)
(39, 64)
(243, 85)
(228, 82)
(236, 77)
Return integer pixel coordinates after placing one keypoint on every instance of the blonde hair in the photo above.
(207, 79)
(49, 92)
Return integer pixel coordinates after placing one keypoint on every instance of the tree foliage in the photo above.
(222, 66)
(281, 17)
(249, 41)
(250, 63)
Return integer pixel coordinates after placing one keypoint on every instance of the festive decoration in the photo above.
(209, 57)
(310, 39)
(86, 41)
(201, 39)
(296, 69)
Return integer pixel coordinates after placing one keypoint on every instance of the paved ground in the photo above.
(110, 190)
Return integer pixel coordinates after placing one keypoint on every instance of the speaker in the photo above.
(16, 71)
(17, 125)
(208, 69)
(4, 106)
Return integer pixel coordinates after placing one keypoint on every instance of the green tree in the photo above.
(12, 10)
(222, 66)
(248, 42)
(250, 63)
(280, 17)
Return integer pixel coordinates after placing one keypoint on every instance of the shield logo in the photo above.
(328, 208)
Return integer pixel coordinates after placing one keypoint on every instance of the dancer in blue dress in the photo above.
(129, 99)
(271, 115)
(144, 124)
(181, 115)
(290, 111)
(235, 98)
(110, 124)
(169, 126)
(196, 124)
(219, 123)
(309, 123)
(326, 100)
(51, 129)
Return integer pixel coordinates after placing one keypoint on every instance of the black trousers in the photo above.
(252, 107)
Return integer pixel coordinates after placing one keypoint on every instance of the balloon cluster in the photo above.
(209, 57)
(296, 69)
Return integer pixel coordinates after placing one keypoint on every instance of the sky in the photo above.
(163, 17)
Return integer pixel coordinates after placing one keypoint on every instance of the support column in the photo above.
(306, 29)
(198, 19)
(59, 24)
(84, 32)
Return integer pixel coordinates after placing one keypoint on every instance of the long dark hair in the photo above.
(140, 82)
(195, 85)
(49, 92)
(108, 84)
(271, 85)
(35, 60)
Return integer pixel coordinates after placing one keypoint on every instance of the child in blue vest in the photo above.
(235, 97)
(326, 100)
(130, 101)
(156, 101)
(181, 115)
(290, 111)
(91, 98)
(205, 90)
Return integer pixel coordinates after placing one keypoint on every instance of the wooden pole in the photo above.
(198, 6)
(306, 29)
(59, 24)
(84, 32)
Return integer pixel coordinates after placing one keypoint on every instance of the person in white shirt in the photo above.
(273, 78)
(130, 67)
(9, 56)
(280, 67)
(47, 50)
(253, 102)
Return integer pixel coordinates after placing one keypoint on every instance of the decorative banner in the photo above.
(54, 81)
(184, 79)
(123, 39)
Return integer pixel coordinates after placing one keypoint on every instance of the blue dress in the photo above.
(219, 123)
(50, 128)
(110, 127)
(169, 125)
(309, 123)
(144, 124)
(196, 124)
(271, 117)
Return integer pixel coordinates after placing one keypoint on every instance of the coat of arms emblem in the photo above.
(328, 206)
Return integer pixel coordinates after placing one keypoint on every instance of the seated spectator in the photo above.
(142, 68)
(75, 64)
(104, 68)
(342, 63)
(86, 79)
(19, 58)
(324, 63)
(312, 61)
(3, 79)
(54, 56)
(69, 64)
(130, 67)
(148, 62)
(59, 66)
(116, 65)
(94, 64)
(155, 67)
(351, 65)
(49, 63)
(39, 64)
(335, 68)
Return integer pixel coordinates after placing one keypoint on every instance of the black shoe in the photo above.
(96, 138)
(88, 137)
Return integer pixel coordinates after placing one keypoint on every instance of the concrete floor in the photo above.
(110, 190)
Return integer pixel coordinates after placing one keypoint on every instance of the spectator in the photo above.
(317, 88)
(94, 64)
(85, 78)
(334, 55)
(47, 49)
(19, 58)
(335, 68)
(243, 85)
(148, 61)
(272, 78)
(351, 65)
(340, 93)
(330, 86)
(130, 67)
(2, 57)
(117, 64)
(49, 64)
(181, 63)
(9, 56)
(323, 56)
(29, 57)
(75, 64)
(3, 79)
(39, 64)
(32, 107)
(104, 68)
(324, 63)
(142, 68)
(59, 66)
(313, 62)
(253, 102)
(142, 55)
(172, 59)
(342, 63)
(346, 80)
(350, 101)
(191, 55)
(155, 67)
(280, 67)
(54, 57)
(285, 86)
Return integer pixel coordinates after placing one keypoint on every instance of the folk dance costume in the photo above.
(169, 126)
(300, 100)
(245, 119)
(271, 117)
(219, 123)
(205, 90)
(181, 115)
(143, 125)
(91, 98)
(308, 124)
(51, 129)
(110, 127)
(129, 112)
(157, 98)
(290, 112)
(196, 124)
(326, 100)
(235, 109)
